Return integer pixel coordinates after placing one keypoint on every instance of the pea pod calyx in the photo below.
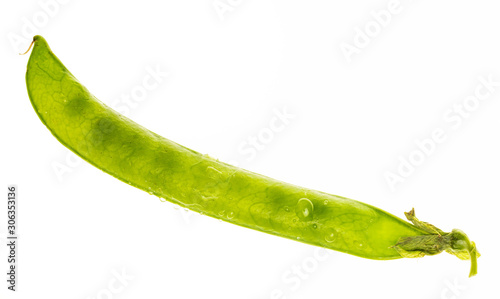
(455, 242)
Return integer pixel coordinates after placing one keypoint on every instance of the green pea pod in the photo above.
(143, 159)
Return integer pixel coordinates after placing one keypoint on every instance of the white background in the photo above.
(228, 75)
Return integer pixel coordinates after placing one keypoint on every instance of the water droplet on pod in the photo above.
(230, 215)
(304, 209)
(315, 226)
(358, 244)
(331, 235)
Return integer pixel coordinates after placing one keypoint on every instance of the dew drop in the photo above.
(287, 209)
(230, 215)
(221, 213)
(358, 244)
(331, 235)
(304, 209)
(315, 226)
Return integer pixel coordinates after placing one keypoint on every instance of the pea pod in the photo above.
(143, 159)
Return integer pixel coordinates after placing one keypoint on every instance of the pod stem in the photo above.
(436, 241)
(473, 259)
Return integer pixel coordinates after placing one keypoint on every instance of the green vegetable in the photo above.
(141, 158)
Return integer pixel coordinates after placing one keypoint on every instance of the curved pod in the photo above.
(141, 158)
